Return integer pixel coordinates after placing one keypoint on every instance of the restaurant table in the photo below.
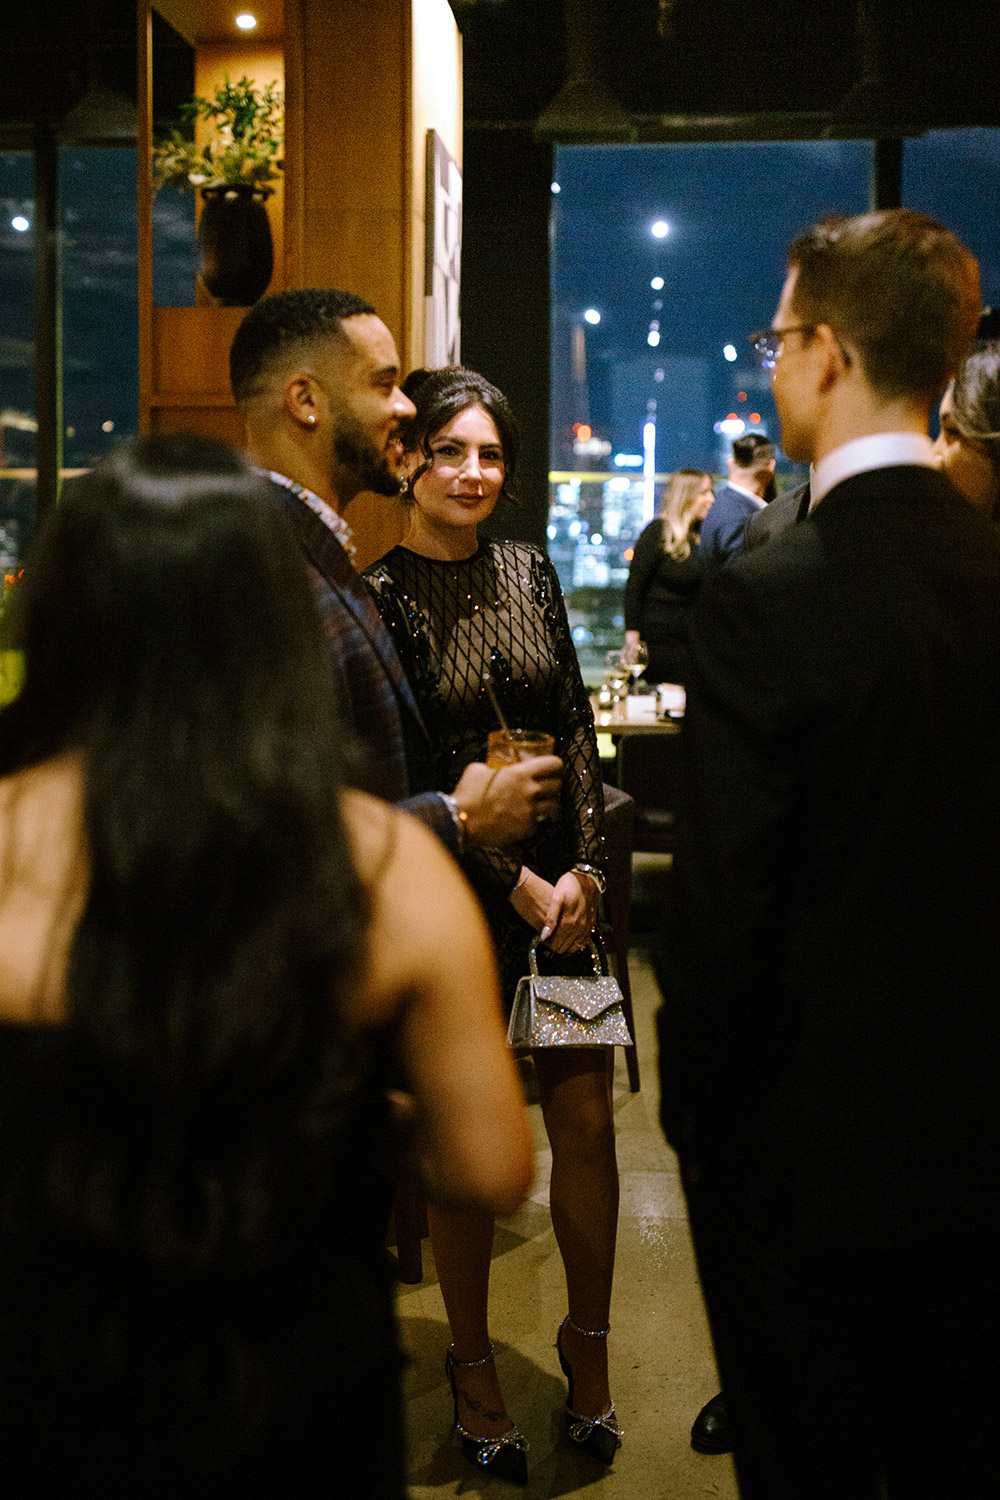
(634, 715)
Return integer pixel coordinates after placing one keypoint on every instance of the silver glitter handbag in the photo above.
(561, 1010)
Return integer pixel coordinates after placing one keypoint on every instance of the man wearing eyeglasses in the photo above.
(830, 1032)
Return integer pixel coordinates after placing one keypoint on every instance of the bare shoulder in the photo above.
(43, 881)
(41, 820)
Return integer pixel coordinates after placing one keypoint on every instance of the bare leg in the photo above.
(463, 1243)
(575, 1089)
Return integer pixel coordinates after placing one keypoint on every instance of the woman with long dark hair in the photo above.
(968, 446)
(213, 959)
(461, 609)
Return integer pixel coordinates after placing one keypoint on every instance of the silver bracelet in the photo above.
(595, 874)
(523, 878)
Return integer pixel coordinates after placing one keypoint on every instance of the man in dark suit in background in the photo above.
(315, 374)
(784, 510)
(751, 472)
(830, 1030)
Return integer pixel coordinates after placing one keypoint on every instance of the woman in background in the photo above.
(461, 609)
(213, 961)
(968, 447)
(665, 576)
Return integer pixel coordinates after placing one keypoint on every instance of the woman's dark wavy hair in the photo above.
(170, 638)
(975, 400)
(439, 396)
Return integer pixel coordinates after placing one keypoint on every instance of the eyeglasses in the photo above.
(767, 344)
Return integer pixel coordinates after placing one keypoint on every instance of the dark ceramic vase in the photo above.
(234, 238)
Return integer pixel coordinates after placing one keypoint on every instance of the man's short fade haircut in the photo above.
(896, 285)
(283, 324)
(753, 451)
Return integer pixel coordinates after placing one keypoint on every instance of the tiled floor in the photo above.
(661, 1359)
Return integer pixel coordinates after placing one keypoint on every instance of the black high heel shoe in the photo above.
(503, 1456)
(601, 1437)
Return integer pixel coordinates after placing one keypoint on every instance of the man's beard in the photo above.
(355, 454)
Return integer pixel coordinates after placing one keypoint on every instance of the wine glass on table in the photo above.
(635, 658)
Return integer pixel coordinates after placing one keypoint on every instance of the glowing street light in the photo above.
(592, 316)
(660, 229)
(20, 223)
(729, 351)
(657, 283)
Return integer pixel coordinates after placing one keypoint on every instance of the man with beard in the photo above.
(315, 374)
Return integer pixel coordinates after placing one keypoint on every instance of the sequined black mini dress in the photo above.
(500, 612)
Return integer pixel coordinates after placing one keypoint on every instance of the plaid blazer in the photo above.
(389, 754)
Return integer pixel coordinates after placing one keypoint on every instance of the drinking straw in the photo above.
(488, 685)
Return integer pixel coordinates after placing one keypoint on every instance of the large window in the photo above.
(665, 259)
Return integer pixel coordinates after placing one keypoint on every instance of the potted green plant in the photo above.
(232, 172)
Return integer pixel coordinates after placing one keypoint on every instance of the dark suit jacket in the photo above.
(787, 508)
(389, 752)
(830, 1034)
(722, 528)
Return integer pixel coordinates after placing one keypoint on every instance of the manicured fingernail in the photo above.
(545, 932)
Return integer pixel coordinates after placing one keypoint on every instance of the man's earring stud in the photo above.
(311, 419)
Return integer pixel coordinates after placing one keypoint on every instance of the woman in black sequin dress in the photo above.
(460, 608)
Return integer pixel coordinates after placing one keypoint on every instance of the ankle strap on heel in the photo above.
(469, 1364)
(587, 1333)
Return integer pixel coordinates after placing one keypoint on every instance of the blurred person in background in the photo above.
(665, 576)
(968, 446)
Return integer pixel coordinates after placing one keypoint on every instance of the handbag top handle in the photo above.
(596, 953)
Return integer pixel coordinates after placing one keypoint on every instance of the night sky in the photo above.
(731, 210)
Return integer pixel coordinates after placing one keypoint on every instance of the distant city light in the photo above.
(628, 460)
(107, 426)
(729, 350)
(575, 527)
(552, 532)
(628, 554)
(732, 426)
(657, 283)
(741, 395)
(653, 338)
(755, 417)
(620, 485)
(596, 539)
(556, 188)
(658, 375)
(246, 22)
(660, 229)
(582, 431)
(592, 315)
(20, 223)
(649, 466)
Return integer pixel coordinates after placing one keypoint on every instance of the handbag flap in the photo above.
(585, 997)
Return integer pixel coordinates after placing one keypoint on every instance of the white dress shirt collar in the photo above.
(880, 450)
(751, 494)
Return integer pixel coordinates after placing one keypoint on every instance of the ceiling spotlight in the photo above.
(246, 22)
(20, 223)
